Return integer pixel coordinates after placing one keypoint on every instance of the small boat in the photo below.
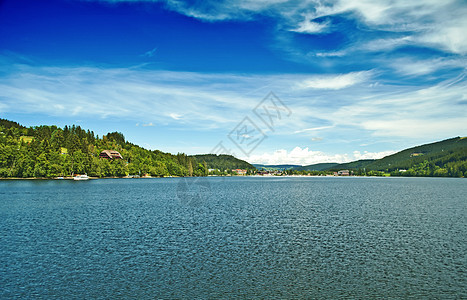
(81, 177)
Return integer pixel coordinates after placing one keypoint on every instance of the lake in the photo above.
(242, 237)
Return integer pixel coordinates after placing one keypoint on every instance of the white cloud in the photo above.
(431, 23)
(386, 44)
(413, 67)
(305, 156)
(411, 128)
(310, 27)
(313, 129)
(372, 155)
(175, 116)
(450, 37)
(335, 82)
(332, 53)
(376, 45)
(431, 112)
(150, 124)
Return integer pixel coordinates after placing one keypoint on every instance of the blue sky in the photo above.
(354, 79)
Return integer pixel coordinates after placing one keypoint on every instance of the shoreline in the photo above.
(256, 176)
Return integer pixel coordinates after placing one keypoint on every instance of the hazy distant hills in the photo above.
(275, 167)
(452, 151)
(316, 167)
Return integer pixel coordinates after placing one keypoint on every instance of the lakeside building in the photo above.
(269, 173)
(110, 154)
(343, 173)
(239, 171)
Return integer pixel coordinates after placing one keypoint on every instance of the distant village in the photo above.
(302, 173)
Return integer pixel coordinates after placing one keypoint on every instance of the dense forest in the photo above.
(50, 151)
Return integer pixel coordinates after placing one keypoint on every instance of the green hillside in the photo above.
(275, 167)
(439, 152)
(358, 164)
(444, 158)
(223, 162)
(316, 167)
(50, 151)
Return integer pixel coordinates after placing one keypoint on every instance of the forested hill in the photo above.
(444, 158)
(275, 167)
(316, 167)
(223, 162)
(50, 151)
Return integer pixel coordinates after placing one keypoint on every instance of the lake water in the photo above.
(177, 238)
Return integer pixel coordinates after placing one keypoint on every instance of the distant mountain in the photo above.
(444, 158)
(358, 164)
(275, 167)
(316, 167)
(223, 162)
(450, 150)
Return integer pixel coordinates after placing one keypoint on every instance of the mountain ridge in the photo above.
(448, 157)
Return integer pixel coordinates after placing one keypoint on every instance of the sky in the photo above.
(269, 81)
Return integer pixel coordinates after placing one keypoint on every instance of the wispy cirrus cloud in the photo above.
(351, 101)
(313, 129)
(113, 92)
(370, 46)
(431, 23)
(435, 110)
(150, 53)
(335, 82)
(413, 67)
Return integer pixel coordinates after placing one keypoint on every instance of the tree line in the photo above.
(50, 151)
